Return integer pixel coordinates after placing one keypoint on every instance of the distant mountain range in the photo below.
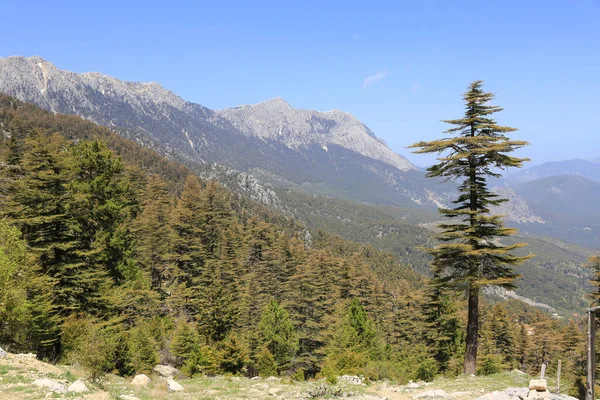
(330, 153)
(589, 169)
(260, 150)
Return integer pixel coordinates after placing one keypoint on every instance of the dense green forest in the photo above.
(118, 259)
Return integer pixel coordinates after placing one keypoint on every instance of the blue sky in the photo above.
(399, 66)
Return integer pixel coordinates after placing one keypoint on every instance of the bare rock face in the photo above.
(276, 120)
(272, 140)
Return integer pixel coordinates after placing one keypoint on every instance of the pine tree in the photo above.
(100, 210)
(594, 295)
(354, 343)
(470, 256)
(442, 333)
(154, 236)
(278, 334)
(14, 272)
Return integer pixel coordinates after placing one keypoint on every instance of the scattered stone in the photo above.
(256, 378)
(432, 393)
(165, 371)
(173, 386)
(460, 394)
(140, 380)
(554, 396)
(25, 355)
(538, 390)
(497, 395)
(272, 378)
(351, 379)
(128, 397)
(50, 384)
(538, 384)
(517, 393)
(78, 387)
(412, 385)
(274, 391)
(2, 353)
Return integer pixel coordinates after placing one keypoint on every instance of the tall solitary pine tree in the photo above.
(470, 256)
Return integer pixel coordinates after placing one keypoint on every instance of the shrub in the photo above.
(490, 364)
(142, 350)
(265, 363)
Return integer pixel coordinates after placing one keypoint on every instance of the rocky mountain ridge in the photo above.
(113, 102)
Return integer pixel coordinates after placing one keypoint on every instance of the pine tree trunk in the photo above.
(472, 332)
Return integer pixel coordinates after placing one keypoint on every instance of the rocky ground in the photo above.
(22, 376)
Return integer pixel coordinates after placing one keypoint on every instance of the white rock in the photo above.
(272, 378)
(432, 393)
(50, 384)
(538, 384)
(166, 371)
(412, 385)
(78, 387)
(497, 395)
(274, 391)
(173, 386)
(516, 393)
(351, 379)
(26, 355)
(140, 380)
(128, 397)
(2, 353)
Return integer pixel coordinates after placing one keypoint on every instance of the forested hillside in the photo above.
(116, 258)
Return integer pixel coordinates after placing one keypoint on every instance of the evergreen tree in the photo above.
(14, 272)
(470, 256)
(594, 295)
(354, 343)
(100, 210)
(278, 334)
(154, 236)
(442, 333)
(233, 355)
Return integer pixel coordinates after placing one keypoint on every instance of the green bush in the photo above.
(490, 364)
(298, 375)
(426, 370)
(96, 353)
(232, 355)
(142, 350)
(265, 363)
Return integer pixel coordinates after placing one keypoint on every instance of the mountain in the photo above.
(328, 153)
(568, 205)
(587, 169)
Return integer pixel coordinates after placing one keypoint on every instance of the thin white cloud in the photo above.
(379, 76)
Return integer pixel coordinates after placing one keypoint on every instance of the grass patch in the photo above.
(4, 369)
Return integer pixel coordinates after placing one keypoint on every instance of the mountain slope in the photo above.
(583, 168)
(328, 153)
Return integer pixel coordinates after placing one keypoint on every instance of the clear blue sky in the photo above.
(399, 66)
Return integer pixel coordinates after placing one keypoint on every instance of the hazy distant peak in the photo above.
(276, 102)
